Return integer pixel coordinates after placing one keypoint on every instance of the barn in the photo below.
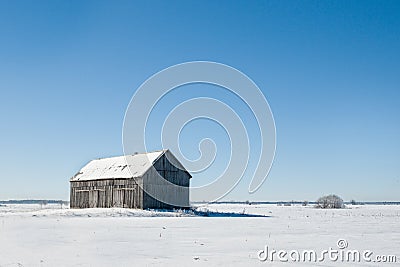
(131, 182)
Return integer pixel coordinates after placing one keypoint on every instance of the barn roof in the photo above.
(117, 167)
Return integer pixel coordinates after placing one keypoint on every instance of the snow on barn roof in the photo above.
(117, 167)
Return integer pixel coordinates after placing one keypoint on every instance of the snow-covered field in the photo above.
(51, 236)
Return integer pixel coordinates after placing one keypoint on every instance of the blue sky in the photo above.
(329, 69)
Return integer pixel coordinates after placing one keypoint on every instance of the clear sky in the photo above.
(329, 69)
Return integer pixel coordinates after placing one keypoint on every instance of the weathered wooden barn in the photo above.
(131, 182)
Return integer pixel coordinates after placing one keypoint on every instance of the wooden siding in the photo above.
(124, 193)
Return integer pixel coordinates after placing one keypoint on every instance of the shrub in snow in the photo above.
(43, 203)
(330, 202)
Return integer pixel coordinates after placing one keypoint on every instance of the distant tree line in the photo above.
(34, 201)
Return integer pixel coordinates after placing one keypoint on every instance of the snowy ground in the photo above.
(51, 236)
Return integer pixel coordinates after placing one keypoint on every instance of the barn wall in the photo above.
(167, 192)
(124, 193)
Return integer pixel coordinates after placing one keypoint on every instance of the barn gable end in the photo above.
(168, 167)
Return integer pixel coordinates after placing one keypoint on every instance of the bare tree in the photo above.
(330, 202)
